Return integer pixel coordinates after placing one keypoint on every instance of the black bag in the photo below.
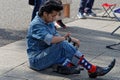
(31, 2)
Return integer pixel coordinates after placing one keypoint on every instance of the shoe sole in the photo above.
(81, 17)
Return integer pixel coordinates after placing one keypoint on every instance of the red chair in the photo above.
(108, 9)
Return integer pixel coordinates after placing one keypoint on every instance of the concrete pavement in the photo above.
(16, 15)
(94, 34)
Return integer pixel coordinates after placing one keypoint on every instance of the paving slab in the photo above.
(12, 56)
(11, 78)
(14, 64)
(25, 72)
(93, 32)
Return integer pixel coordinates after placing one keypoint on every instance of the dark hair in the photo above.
(49, 6)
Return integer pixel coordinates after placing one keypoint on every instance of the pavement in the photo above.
(16, 15)
(94, 34)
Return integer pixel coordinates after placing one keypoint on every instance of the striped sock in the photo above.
(90, 67)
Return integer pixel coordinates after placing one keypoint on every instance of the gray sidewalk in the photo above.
(94, 34)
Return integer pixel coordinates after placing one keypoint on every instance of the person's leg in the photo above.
(88, 8)
(82, 6)
(93, 70)
(36, 8)
(77, 58)
(58, 53)
(60, 23)
(37, 5)
(81, 9)
(65, 13)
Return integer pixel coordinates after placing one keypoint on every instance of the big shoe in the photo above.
(101, 71)
(66, 70)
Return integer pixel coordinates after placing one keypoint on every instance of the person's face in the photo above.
(50, 17)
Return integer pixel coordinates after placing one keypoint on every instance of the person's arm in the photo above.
(76, 41)
(57, 39)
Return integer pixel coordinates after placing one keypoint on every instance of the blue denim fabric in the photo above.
(38, 4)
(86, 6)
(41, 52)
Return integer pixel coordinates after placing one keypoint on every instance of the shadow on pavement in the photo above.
(85, 35)
(8, 36)
(91, 40)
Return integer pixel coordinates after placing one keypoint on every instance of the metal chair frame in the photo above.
(112, 45)
(114, 13)
(108, 8)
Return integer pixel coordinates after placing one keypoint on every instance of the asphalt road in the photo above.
(15, 16)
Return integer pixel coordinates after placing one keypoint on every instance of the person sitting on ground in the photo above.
(46, 47)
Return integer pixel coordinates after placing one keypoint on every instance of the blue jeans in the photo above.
(37, 5)
(86, 6)
(56, 53)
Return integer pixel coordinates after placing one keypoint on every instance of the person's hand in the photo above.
(75, 41)
(67, 35)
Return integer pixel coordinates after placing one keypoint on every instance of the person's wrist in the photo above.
(64, 38)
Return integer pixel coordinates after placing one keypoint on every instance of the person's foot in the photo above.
(61, 24)
(101, 71)
(81, 16)
(66, 70)
(57, 25)
(92, 14)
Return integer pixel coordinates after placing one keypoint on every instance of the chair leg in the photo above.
(108, 11)
(118, 26)
(111, 46)
(116, 16)
(115, 30)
